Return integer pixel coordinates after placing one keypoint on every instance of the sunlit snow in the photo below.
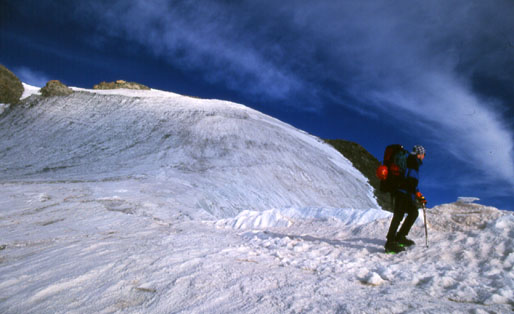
(152, 202)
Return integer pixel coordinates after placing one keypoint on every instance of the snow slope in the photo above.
(106, 217)
(209, 158)
(72, 248)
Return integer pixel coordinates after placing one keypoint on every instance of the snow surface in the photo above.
(208, 158)
(29, 90)
(150, 202)
(3, 107)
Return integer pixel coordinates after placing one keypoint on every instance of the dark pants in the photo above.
(404, 204)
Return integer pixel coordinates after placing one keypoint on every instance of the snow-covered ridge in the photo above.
(209, 157)
(29, 90)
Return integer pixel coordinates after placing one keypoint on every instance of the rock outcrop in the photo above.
(11, 88)
(55, 88)
(366, 163)
(120, 84)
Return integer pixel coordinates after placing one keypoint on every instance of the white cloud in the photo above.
(31, 77)
(204, 36)
(459, 121)
(414, 63)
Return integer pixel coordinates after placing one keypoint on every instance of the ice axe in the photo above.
(425, 218)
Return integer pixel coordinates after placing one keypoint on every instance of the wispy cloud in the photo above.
(213, 37)
(414, 61)
(417, 62)
(31, 77)
(459, 122)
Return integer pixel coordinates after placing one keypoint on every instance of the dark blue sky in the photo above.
(437, 73)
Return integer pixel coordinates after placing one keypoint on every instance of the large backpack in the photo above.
(393, 169)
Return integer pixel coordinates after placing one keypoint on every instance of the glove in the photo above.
(421, 198)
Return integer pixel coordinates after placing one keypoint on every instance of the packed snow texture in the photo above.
(93, 221)
(210, 158)
(77, 248)
(3, 107)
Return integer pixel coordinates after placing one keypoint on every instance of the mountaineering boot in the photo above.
(393, 247)
(404, 241)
